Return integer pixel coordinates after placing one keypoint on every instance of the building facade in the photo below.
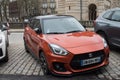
(80, 9)
(85, 9)
(47, 6)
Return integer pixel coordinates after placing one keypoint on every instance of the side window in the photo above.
(107, 15)
(31, 23)
(116, 16)
(35, 23)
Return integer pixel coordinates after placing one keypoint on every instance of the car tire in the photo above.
(26, 48)
(44, 64)
(6, 58)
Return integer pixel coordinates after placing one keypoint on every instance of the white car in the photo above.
(4, 43)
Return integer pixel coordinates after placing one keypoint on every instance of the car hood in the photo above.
(72, 40)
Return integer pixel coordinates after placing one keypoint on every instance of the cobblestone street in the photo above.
(22, 63)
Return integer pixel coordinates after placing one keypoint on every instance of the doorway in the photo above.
(92, 12)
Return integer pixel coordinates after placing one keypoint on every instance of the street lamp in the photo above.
(44, 6)
(80, 9)
(52, 6)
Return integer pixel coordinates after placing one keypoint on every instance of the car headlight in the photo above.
(58, 50)
(104, 42)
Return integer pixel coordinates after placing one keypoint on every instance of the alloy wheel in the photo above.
(44, 64)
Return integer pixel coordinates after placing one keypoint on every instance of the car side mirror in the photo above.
(38, 31)
(26, 22)
(4, 28)
(84, 26)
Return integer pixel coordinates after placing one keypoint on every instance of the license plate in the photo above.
(90, 61)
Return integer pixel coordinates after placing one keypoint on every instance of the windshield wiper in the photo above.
(55, 33)
(74, 31)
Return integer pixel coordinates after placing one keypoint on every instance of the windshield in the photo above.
(62, 25)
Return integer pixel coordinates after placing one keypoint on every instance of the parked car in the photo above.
(63, 45)
(4, 43)
(108, 26)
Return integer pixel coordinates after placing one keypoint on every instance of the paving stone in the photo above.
(109, 77)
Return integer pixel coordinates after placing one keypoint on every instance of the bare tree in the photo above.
(3, 9)
(26, 7)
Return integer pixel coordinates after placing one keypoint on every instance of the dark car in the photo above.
(108, 26)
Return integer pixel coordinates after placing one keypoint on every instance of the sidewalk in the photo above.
(22, 30)
(90, 29)
(16, 30)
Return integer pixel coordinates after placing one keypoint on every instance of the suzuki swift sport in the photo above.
(63, 45)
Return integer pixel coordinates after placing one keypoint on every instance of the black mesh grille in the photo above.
(1, 53)
(75, 63)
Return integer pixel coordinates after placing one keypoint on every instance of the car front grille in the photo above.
(1, 53)
(75, 63)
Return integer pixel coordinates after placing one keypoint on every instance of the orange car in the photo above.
(63, 45)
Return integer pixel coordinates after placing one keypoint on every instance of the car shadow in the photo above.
(92, 75)
(2, 63)
(115, 49)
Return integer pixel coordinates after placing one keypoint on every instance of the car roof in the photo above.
(113, 9)
(51, 16)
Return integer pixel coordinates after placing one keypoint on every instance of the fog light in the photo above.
(59, 67)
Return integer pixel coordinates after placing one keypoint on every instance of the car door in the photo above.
(35, 38)
(27, 35)
(114, 30)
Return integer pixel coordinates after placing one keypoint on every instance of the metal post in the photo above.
(81, 10)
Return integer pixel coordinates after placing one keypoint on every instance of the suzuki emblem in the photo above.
(90, 55)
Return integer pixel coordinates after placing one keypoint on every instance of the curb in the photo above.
(16, 30)
(90, 29)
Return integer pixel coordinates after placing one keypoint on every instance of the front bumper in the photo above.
(67, 65)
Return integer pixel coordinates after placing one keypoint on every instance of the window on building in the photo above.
(69, 7)
(52, 1)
